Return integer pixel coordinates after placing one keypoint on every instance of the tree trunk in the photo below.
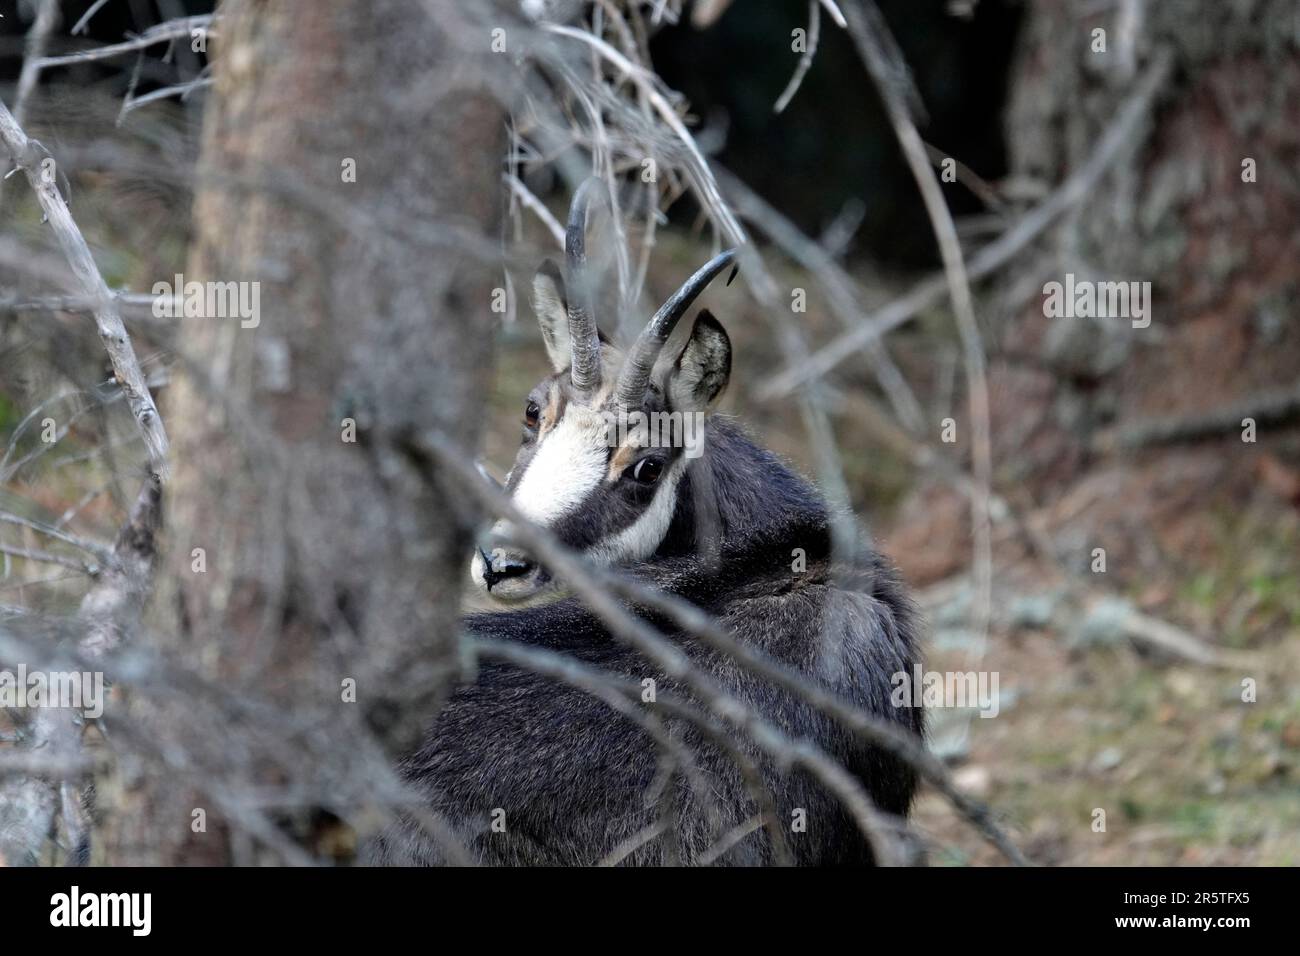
(299, 559)
(1202, 204)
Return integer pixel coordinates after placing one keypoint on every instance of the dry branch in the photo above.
(839, 289)
(170, 30)
(1267, 408)
(875, 44)
(47, 15)
(183, 90)
(100, 551)
(1000, 251)
(48, 557)
(28, 155)
(704, 182)
(1160, 635)
(537, 207)
(86, 17)
(29, 804)
(805, 59)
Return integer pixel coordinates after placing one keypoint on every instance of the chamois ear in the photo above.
(551, 308)
(700, 374)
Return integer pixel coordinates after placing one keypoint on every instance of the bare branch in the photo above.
(48, 557)
(997, 253)
(647, 834)
(100, 551)
(538, 207)
(28, 804)
(805, 59)
(47, 15)
(27, 154)
(839, 290)
(170, 30)
(81, 25)
(704, 178)
(872, 38)
(1266, 408)
(833, 9)
(969, 178)
(183, 90)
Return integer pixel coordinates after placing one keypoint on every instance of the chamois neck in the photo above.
(747, 501)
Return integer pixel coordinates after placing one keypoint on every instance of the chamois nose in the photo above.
(500, 565)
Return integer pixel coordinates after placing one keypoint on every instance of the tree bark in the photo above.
(323, 559)
(1202, 203)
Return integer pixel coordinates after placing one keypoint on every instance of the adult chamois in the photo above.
(529, 770)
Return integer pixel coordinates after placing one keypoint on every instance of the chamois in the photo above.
(531, 771)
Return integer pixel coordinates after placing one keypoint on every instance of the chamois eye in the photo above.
(531, 412)
(646, 471)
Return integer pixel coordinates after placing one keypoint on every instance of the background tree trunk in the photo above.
(1219, 248)
(1175, 210)
(325, 559)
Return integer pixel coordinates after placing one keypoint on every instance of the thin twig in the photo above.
(183, 90)
(47, 14)
(116, 598)
(642, 837)
(863, 18)
(100, 551)
(48, 557)
(539, 209)
(84, 22)
(997, 253)
(38, 37)
(969, 178)
(1264, 408)
(833, 9)
(839, 290)
(805, 59)
(707, 188)
(28, 155)
(731, 839)
(170, 30)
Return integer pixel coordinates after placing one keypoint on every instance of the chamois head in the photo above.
(607, 437)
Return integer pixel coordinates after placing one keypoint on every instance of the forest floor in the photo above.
(1186, 772)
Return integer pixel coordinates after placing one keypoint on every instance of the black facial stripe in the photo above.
(612, 507)
(606, 512)
(618, 502)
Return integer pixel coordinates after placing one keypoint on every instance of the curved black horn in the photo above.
(584, 343)
(641, 359)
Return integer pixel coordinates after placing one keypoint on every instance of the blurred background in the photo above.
(1121, 688)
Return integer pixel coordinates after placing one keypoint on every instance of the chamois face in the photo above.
(598, 469)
